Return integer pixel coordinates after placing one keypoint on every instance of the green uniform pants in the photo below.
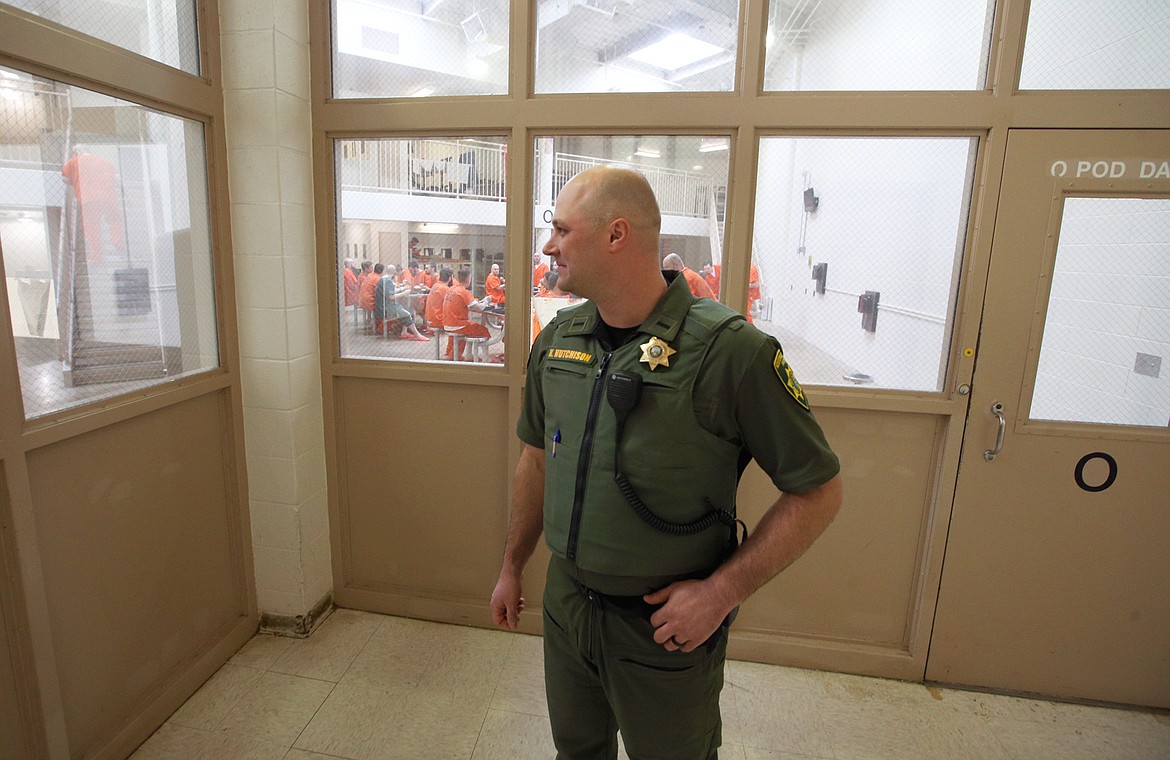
(603, 672)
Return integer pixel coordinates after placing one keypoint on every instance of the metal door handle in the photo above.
(991, 454)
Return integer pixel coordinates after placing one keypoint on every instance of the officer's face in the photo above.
(577, 243)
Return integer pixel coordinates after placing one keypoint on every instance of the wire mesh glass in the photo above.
(163, 30)
(395, 48)
(421, 266)
(856, 255)
(645, 46)
(105, 238)
(1105, 355)
(1081, 45)
(689, 175)
(877, 45)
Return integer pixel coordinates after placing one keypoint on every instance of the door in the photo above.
(1056, 579)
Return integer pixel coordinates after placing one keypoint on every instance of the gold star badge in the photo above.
(656, 352)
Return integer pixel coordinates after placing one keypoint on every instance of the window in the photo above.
(1096, 46)
(414, 213)
(877, 45)
(648, 46)
(690, 199)
(856, 255)
(394, 48)
(163, 30)
(105, 233)
(1105, 356)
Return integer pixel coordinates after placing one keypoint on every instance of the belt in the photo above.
(637, 608)
(622, 606)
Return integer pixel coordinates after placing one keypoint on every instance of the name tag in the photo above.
(571, 355)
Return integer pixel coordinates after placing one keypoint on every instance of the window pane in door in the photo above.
(414, 214)
(1120, 45)
(164, 30)
(107, 252)
(647, 46)
(398, 49)
(877, 45)
(1105, 355)
(856, 253)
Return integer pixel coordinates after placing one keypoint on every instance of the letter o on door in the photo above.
(1079, 472)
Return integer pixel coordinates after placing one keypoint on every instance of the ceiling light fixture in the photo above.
(675, 51)
(712, 144)
(645, 151)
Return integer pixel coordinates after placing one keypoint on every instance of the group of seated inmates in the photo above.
(386, 299)
(414, 302)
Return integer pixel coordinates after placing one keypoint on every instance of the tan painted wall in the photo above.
(140, 553)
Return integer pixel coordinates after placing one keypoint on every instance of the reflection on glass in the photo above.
(395, 48)
(856, 252)
(1120, 45)
(164, 30)
(422, 239)
(689, 176)
(648, 46)
(877, 45)
(1105, 356)
(104, 228)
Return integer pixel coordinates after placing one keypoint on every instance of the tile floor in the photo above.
(368, 686)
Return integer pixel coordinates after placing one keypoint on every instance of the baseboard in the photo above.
(297, 626)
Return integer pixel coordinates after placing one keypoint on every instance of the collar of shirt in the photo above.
(664, 322)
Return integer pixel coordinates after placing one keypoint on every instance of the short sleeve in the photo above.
(748, 394)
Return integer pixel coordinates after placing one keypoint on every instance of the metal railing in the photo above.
(679, 193)
(475, 170)
(471, 169)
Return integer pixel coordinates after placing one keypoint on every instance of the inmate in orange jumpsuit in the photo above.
(366, 292)
(494, 287)
(456, 316)
(351, 287)
(697, 284)
(753, 290)
(434, 313)
(538, 274)
(95, 184)
(434, 307)
(713, 279)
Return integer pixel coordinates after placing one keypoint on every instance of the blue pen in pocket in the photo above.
(556, 440)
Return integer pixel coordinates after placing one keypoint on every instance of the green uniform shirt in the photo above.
(744, 394)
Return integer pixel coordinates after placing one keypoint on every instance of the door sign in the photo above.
(1134, 169)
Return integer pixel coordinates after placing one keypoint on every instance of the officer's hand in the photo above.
(507, 604)
(688, 616)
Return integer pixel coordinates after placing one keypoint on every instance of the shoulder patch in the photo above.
(784, 372)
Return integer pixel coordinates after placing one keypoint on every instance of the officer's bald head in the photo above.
(611, 192)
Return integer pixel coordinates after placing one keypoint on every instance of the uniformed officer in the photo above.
(642, 407)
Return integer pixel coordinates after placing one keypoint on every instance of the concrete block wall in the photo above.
(267, 110)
